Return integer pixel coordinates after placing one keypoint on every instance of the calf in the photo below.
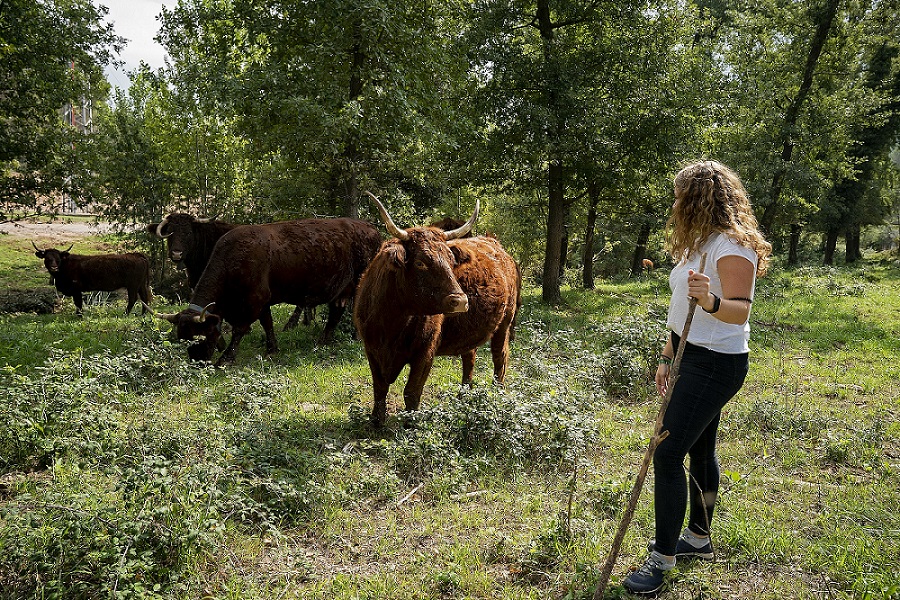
(73, 274)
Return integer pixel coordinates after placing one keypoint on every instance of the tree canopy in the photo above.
(568, 118)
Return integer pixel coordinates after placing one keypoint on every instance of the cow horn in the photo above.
(161, 226)
(69, 248)
(388, 222)
(170, 317)
(35, 246)
(461, 231)
(202, 316)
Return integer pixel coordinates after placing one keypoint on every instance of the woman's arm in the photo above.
(736, 274)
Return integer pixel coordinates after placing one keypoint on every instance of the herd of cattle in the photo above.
(428, 291)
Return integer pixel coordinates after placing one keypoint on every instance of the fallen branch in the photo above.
(409, 495)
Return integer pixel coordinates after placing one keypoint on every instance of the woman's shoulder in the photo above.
(726, 244)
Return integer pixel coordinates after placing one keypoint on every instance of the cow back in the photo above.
(304, 262)
(103, 272)
(489, 277)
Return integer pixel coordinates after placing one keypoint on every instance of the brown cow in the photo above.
(190, 241)
(73, 274)
(428, 293)
(449, 223)
(647, 264)
(306, 262)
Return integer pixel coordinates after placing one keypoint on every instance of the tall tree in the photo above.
(822, 17)
(545, 72)
(52, 54)
(341, 92)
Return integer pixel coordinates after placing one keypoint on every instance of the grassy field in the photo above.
(127, 472)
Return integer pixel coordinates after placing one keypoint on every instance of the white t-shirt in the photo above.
(706, 329)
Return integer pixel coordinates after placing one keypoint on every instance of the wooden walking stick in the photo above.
(658, 436)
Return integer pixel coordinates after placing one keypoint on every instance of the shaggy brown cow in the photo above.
(428, 293)
(73, 274)
(306, 262)
(647, 264)
(191, 240)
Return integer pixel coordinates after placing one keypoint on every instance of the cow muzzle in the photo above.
(175, 256)
(456, 303)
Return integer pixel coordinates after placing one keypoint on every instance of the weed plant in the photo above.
(128, 472)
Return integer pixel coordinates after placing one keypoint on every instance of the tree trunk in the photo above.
(830, 244)
(823, 27)
(550, 292)
(853, 252)
(640, 248)
(555, 217)
(351, 150)
(564, 242)
(587, 259)
(794, 252)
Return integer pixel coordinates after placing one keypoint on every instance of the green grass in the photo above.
(125, 471)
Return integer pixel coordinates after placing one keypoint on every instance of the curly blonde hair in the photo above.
(709, 197)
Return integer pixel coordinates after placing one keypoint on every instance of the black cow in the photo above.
(306, 263)
(73, 274)
(191, 240)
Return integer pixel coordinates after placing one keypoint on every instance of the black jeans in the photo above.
(707, 380)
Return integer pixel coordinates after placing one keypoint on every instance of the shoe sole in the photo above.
(689, 555)
(655, 590)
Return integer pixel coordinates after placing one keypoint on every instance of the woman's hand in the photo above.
(662, 379)
(698, 288)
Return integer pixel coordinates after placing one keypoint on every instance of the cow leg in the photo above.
(335, 311)
(295, 318)
(237, 333)
(265, 319)
(144, 293)
(132, 299)
(381, 383)
(468, 366)
(418, 375)
(500, 351)
(79, 302)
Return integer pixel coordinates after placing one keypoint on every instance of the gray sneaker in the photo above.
(683, 549)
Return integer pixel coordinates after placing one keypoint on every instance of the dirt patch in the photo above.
(60, 231)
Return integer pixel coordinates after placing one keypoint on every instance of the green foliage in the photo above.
(53, 54)
(129, 472)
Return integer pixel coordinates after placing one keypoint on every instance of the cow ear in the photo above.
(40, 254)
(151, 228)
(64, 254)
(396, 253)
(460, 254)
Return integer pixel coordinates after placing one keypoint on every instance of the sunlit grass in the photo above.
(264, 479)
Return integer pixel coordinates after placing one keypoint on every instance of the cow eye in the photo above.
(420, 264)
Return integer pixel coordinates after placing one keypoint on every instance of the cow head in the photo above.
(178, 231)
(423, 262)
(53, 258)
(197, 325)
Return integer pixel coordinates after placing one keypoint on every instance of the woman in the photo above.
(712, 216)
